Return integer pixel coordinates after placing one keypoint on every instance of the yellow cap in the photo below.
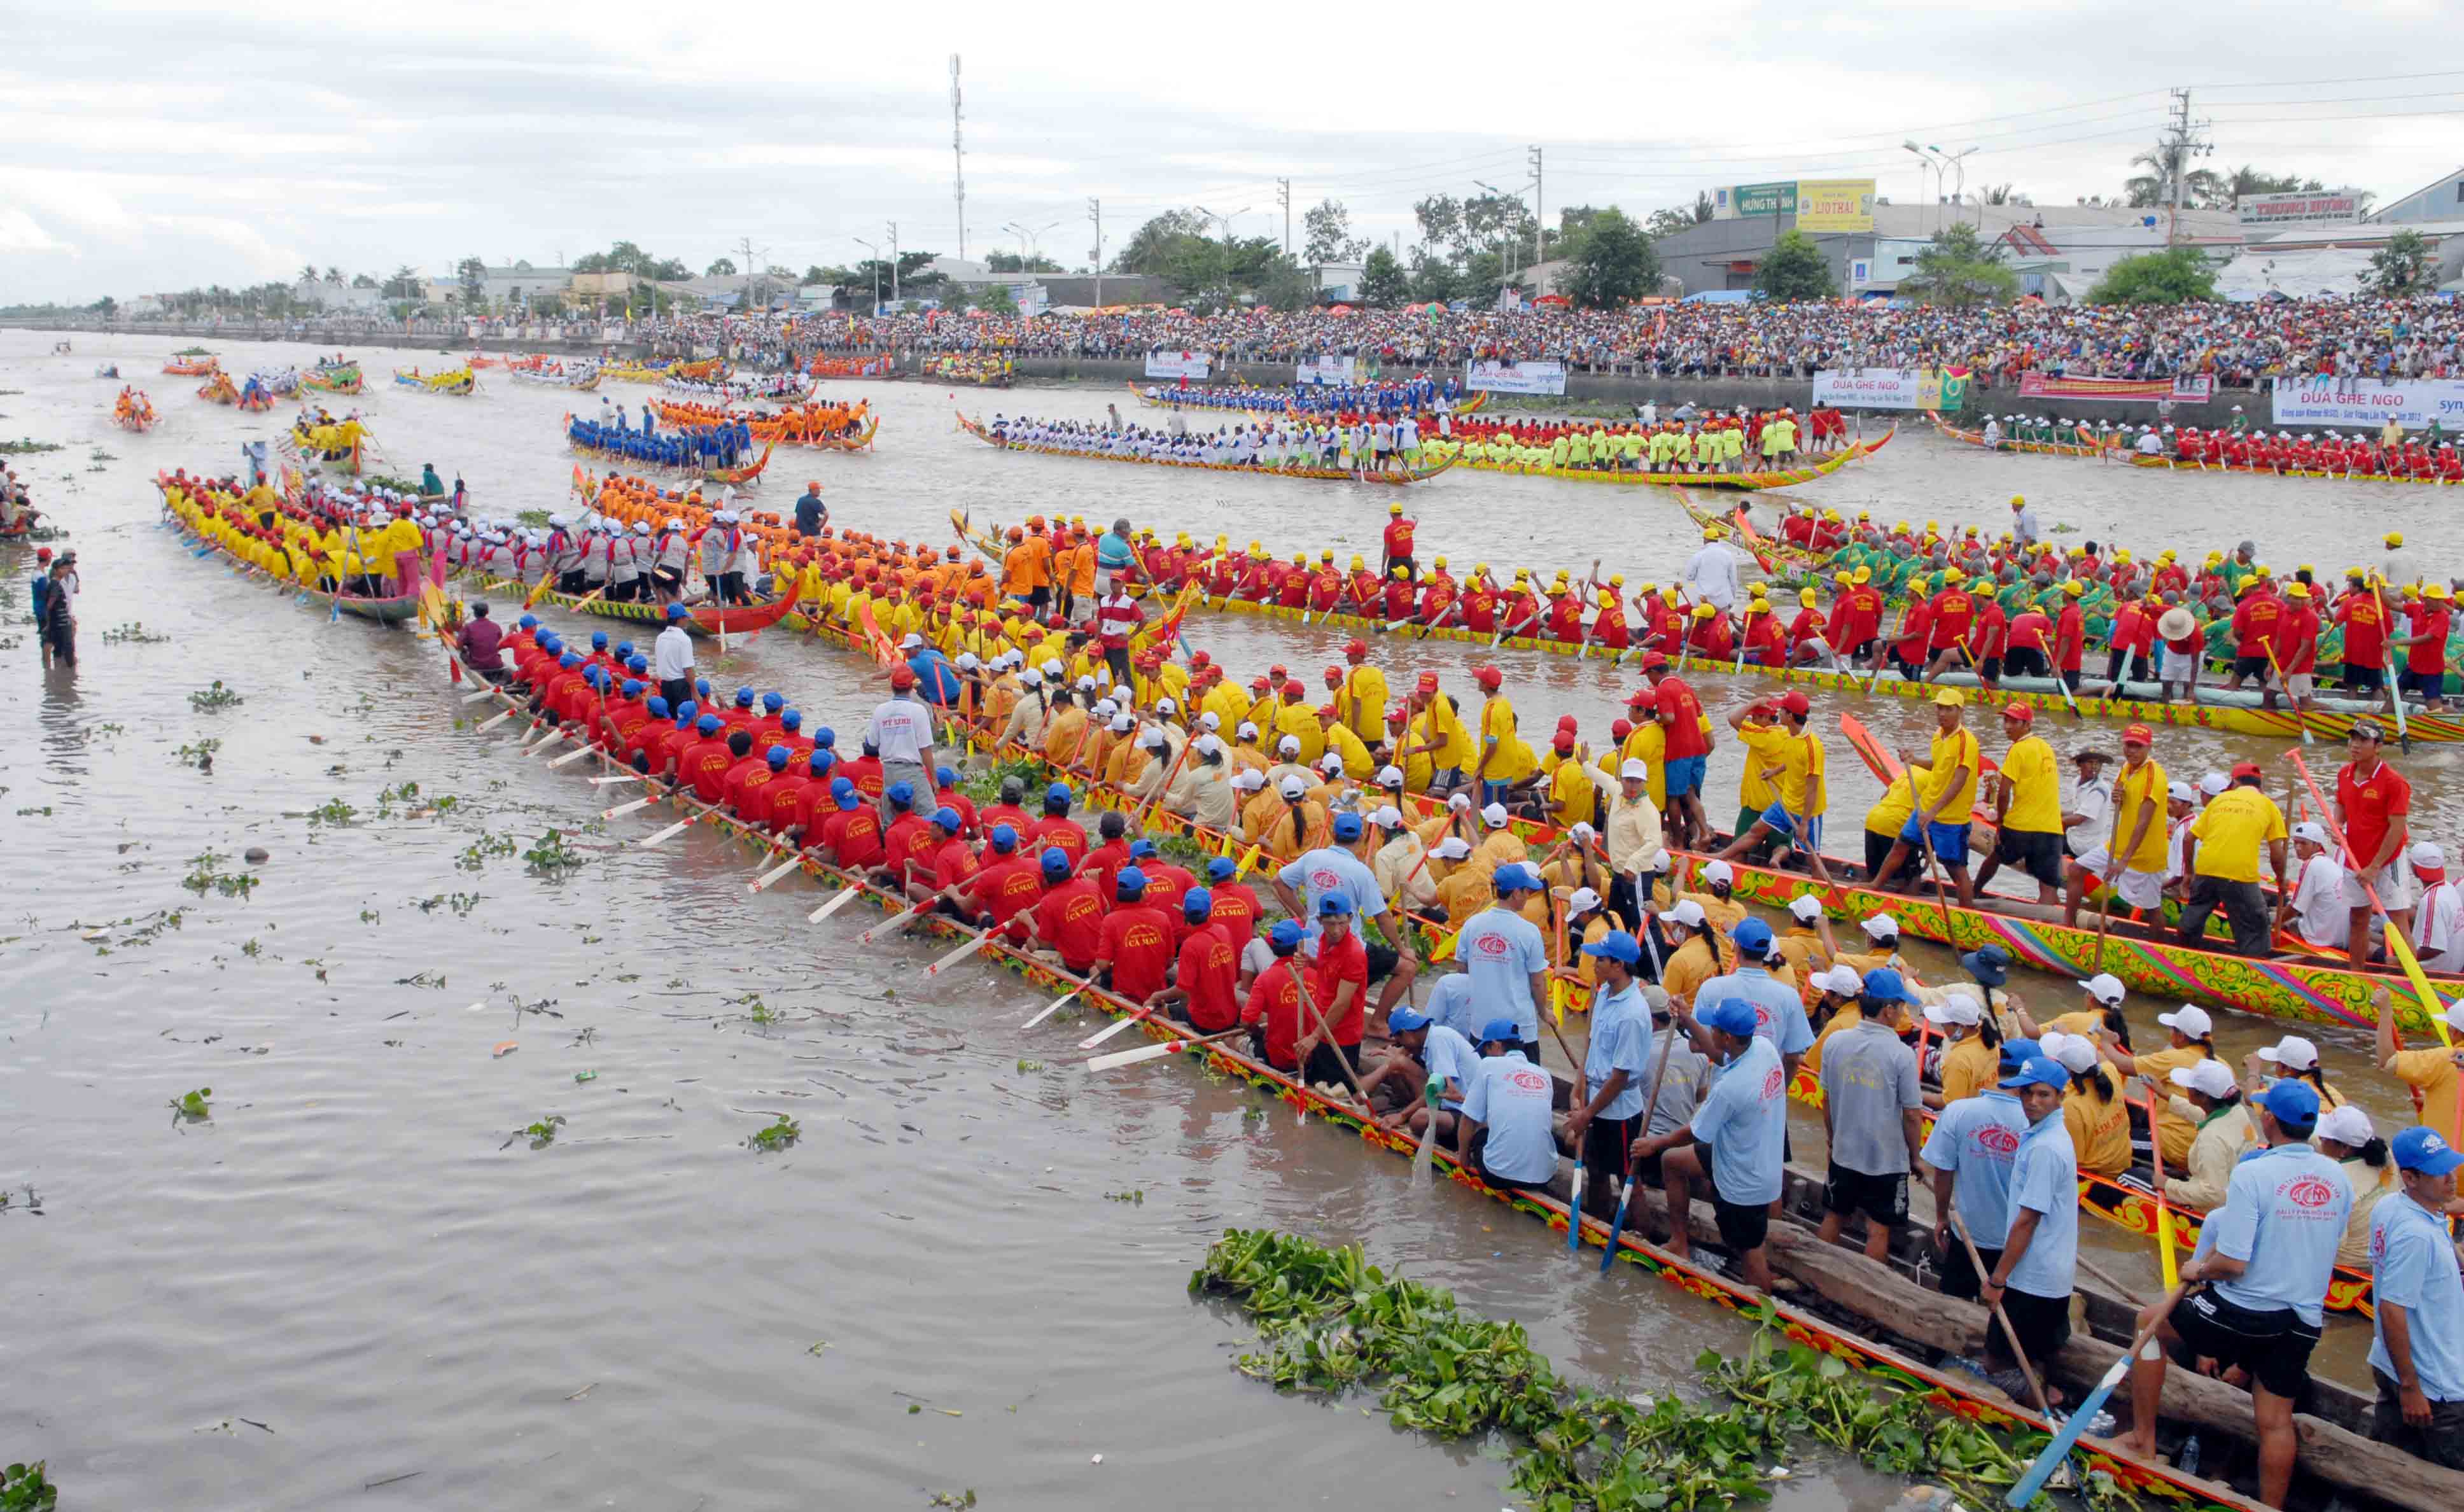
(1357, 563)
(2017, 501)
(1393, 508)
(1864, 575)
(1806, 597)
(1704, 611)
(2296, 590)
(2073, 587)
(1441, 562)
(2436, 590)
(1617, 579)
(1843, 576)
(1710, 532)
(1758, 607)
(2395, 538)
(1477, 567)
(1950, 698)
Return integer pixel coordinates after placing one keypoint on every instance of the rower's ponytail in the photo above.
(1990, 1030)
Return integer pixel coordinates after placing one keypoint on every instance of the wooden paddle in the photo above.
(974, 942)
(2010, 1335)
(1300, 985)
(1150, 1052)
(1054, 1006)
(845, 895)
(2156, 1099)
(2056, 1452)
(895, 920)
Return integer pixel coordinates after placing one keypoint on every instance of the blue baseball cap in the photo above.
(1004, 837)
(1498, 1030)
(774, 702)
(1222, 869)
(637, 664)
(624, 650)
(1885, 986)
(948, 818)
(1128, 882)
(657, 706)
(1616, 945)
(1197, 903)
(1514, 877)
(776, 757)
(686, 710)
(676, 611)
(1752, 936)
(1729, 1015)
(528, 622)
(599, 640)
(1058, 793)
(790, 719)
(820, 762)
(633, 687)
(701, 686)
(2038, 1071)
(826, 737)
(2420, 1148)
(901, 795)
(744, 698)
(1054, 861)
(1141, 849)
(1335, 906)
(1405, 1018)
(707, 724)
(571, 659)
(945, 776)
(847, 800)
(2292, 1103)
(2016, 1053)
(1346, 826)
(1284, 936)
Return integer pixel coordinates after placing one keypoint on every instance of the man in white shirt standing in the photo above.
(671, 659)
(2316, 907)
(1710, 574)
(2087, 817)
(2024, 530)
(2438, 918)
(901, 733)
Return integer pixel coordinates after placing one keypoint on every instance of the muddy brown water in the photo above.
(648, 1313)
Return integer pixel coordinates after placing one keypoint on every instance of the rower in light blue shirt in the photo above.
(1450, 1003)
(2284, 1218)
(1507, 1131)
(1972, 1148)
(1780, 1017)
(2044, 1182)
(1745, 1116)
(1503, 953)
(2414, 1276)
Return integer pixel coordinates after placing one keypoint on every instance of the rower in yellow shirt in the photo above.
(1301, 722)
(1362, 696)
(1503, 759)
(1938, 829)
(1357, 764)
(1566, 782)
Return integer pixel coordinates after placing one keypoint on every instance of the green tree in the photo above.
(2200, 188)
(361, 280)
(1156, 243)
(995, 298)
(1384, 285)
(403, 285)
(2403, 265)
(1960, 271)
(473, 272)
(105, 307)
(1611, 263)
(1327, 234)
(2175, 275)
(1433, 279)
(1572, 221)
(1794, 270)
(2248, 180)
(720, 268)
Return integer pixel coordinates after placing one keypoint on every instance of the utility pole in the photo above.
(2187, 145)
(1283, 194)
(1095, 213)
(1539, 214)
(893, 262)
(957, 157)
(751, 254)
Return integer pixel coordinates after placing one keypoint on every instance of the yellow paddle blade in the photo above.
(1445, 951)
(2402, 949)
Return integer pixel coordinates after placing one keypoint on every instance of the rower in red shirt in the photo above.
(789, 809)
(1439, 592)
(1069, 917)
(1273, 1009)
(1765, 643)
(1908, 644)
(1206, 993)
(1707, 635)
(1397, 542)
(1056, 829)
(1134, 951)
(1687, 749)
(704, 762)
(1950, 638)
(1397, 599)
(2070, 636)
(1480, 603)
(2375, 804)
(1292, 589)
(1008, 885)
(748, 781)
(1338, 979)
(2424, 657)
(1806, 645)
(909, 839)
(1325, 584)
(2297, 644)
(2254, 628)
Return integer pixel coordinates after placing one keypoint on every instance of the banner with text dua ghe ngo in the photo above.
(1324, 370)
(1516, 378)
(1163, 362)
(1889, 389)
(2367, 401)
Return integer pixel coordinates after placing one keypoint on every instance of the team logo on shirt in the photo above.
(1530, 1081)
(1772, 1082)
(1491, 945)
(2308, 1191)
(1324, 880)
(1995, 1139)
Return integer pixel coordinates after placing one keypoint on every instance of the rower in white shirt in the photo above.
(2438, 918)
(2317, 910)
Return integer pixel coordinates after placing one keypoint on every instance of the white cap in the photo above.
(1494, 816)
(1032, 678)
(1687, 912)
(1390, 776)
(1635, 770)
(1454, 847)
(1105, 708)
(2292, 1052)
(1248, 776)
(1805, 908)
(1210, 720)
(1123, 724)
(1155, 739)
(1583, 901)
(1331, 761)
(1292, 787)
(1246, 732)
(1289, 745)
(2190, 1019)
(1718, 871)
(1955, 1008)
(1582, 834)
(2347, 1125)
(2076, 1052)
(2428, 855)
(2213, 783)
(968, 661)
(1085, 684)
(2210, 1075)
(1052, 667)
(1880, 926)
(1165, 706)
(2105, 988)
(1387, 817)
(1460, 802)
(2316, 833)
(1209, 745)
(1842, 980)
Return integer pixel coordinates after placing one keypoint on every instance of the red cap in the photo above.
(1292, 690)
(1795, 702)
(1565, 740)
(1653, 661)
(1566, 722)
(1198, 658)
(1262, 685)
(1487, 676)
(1277, 671)
(1357, 647)
(2142, 735)
(1621, 729)
(1428, 683)
(2247, 769)
(2019, 708)
(1329, 711)
(1638, 698)
(902, 677)
(1334, 675)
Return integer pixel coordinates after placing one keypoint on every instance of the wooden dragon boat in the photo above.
(544, 378)
(2118, 453)
(219, 389)
(1470, 405)
(460, 382)
(1921, 1316)
(1749, 482)
(2087, 446)
(344, 380)
(749, 475)
(1318, 474)
(769, 429)
(702, 619)
(392, 610)
(137, 416)
(192, 366)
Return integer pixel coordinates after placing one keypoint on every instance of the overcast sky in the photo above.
(148, 148)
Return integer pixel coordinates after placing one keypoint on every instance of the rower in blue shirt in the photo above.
(2265, 1259)
(1607, 1116)
(2417, 1349)
(2032, 1280)
(649, 423)
(1970, 1150)
(1735, 1139)
(1504, 1133)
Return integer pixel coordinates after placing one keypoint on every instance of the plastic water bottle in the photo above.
(2188, 1460)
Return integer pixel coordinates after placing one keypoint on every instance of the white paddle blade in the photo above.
(847, 895)
(1144, 1052)
(490, 724)
(1051, 1008)
(775, 873)
(887, 924)
(610, 781)
(570, 756)
(479, 697)
(555, 737)
(959, 954)
(1109, 1030)
(667, 834)
(623, 809)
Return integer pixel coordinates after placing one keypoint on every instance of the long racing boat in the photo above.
(1320, 474)
(1749, 482)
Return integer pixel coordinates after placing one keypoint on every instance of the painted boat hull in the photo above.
(1746, 482)
(1314, 474)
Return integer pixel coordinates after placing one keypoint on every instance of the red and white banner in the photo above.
(2188, 389)
(1163, 362)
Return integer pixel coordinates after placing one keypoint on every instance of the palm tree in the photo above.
(2200, 188)
(308, 272)
(333, 274)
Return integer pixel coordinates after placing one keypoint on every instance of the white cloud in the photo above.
(21, 235)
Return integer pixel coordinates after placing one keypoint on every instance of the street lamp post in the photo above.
(1503, 240)
(1226, 222)
(1923, 163)
(874, 247)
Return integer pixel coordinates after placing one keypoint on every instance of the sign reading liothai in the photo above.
(1517, 378)
(1165, 363)
(1890, 387)
(2366, 401)
(1323, 370)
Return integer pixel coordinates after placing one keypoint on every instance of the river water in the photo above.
(347, 1275)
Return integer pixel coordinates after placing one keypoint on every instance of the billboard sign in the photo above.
(1835, 204)
(2297, 210)
(1765, 199)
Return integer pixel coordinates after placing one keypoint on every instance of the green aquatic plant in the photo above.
(549, 853)
(205, 700)
(777, 1136)
(542, 1133)
(133, 633)
(193, 1106)
(25, 1488)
